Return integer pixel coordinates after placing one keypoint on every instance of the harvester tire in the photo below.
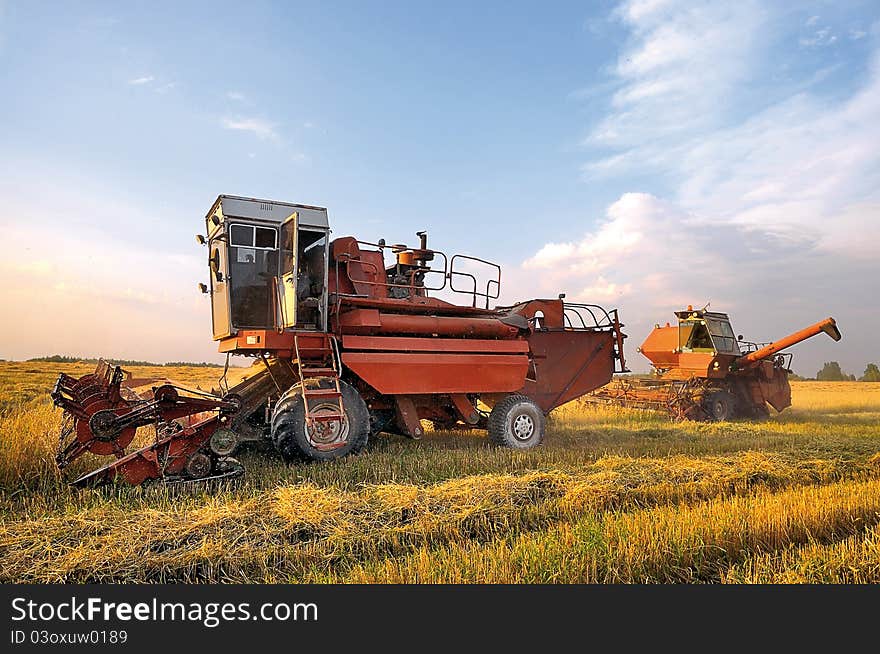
(516, 422)
(290, 437)
(720, 405)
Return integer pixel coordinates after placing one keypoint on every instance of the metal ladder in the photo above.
(316, 394)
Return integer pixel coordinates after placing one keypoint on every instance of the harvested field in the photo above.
(614, 495)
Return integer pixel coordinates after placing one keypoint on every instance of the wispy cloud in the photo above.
(819, 38)
(787, 167)
(259, 127)
(769, 210)
(138, 81)
(235, 95)
(682, 62)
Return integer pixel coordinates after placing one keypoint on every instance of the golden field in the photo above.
(613, 495)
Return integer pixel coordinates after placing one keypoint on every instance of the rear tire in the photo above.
(720, 405)
(291, 439)
(516, 422)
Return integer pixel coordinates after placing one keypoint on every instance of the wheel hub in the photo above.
(103, 424)
(327, 434)
(198, 465)
(523, 427)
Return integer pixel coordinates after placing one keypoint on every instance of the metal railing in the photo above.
(780, 359)
(488, 295)
(417, 275)
(586, 317)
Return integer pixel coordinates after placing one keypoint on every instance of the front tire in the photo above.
(516, 422)
(720, 406)
(297, 443)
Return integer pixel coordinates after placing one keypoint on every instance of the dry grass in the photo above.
(854, 560)
(613, 496)
(668, 544)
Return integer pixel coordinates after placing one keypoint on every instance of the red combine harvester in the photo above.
(350, 345)
(703, 372)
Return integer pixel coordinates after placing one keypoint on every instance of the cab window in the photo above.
(253, 268)
(722, 336)
(695, 337)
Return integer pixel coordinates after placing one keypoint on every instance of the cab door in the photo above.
(288, 267)
(219, 285)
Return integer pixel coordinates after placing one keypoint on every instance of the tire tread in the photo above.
(498, 420)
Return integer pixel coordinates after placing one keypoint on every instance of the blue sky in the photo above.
(643, 154)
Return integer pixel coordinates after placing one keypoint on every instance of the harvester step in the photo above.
(322, 392)
(315, 372)
(314, 353)
(327, 417)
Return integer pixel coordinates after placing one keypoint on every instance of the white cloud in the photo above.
(235, 95)
(856, 34)
(641, 240)
(603, 290)
(257, 126)
(773, 213)
(819, 38)
(138, 81)
(624, 230)
(795, 167)
(812, 20)
(681, 64)
(551, 255)
(637, 11)
(791, 169)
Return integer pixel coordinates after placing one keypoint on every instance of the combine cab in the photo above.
(703, 372)
(352, 341)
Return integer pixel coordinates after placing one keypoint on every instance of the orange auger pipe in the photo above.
(828, 326)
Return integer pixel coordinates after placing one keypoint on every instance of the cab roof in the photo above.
(697, 314)
(235, 206)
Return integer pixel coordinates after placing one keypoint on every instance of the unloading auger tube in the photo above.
(101, 417)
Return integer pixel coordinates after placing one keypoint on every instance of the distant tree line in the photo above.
(61, 358)
(831, 371)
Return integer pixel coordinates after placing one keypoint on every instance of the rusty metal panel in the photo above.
(395, 323)
(359, 319)
(773, 384)
(553, 314)
(392, 373)
(256, 340)
(568, 364)
(405, 344)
